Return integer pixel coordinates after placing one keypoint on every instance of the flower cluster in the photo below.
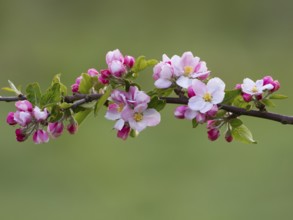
(130, 111)
(33, 120)
(259, 89)
(179, 70)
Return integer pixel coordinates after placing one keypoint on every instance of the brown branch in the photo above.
(79, 99)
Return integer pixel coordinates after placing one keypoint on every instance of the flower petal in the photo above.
(196, 103)
(184, 82)
(151, 117)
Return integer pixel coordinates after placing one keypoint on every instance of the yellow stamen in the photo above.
(120, 108)
(188, 70)
(254, 89)
(138, 116)
(207, 97)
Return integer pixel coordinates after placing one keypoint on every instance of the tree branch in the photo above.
(79, 99)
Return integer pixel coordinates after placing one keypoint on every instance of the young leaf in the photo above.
(8, 89)
(86, 84)
(239, 102)
(268, 103)
(102, 100)
(33, 94)
(243, 134)
(52, 96)
(56, 114)
(235, 122)
(13, 87)
(194, 123)
(82, 115)
(230, 96)
(141, 63)
(278, 96)
(57, 79)
(157, 103)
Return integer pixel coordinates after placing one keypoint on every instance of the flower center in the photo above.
(207, 97)
(188, 70)
(120, 108)
(254, 89)
(138, 116)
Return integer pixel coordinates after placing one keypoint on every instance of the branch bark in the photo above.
(79, 99)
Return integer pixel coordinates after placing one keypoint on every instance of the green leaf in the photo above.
(57, 79)
(157, 103)
(268, 103)
(52, 96)
(194, 123)
(239, 102)
(8, 89)
(102, 100)
(86, 84)
(65, 105)
(230, 96)
(235, 122)
(33, 94)
(141, 63)
(13, 87)
(56, 114)
(160, 92)
(278, 96)
(243, 134)
(82, 115)
(133, 133)
(221, 113)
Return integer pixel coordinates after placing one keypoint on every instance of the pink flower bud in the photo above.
(259, 97)
(10, 119)
(238, 86)
(229, 138)
(93, 72)
(267, 80)
(55, 129)
(124, 132)
(103, 80)
(213, 134)
(78, 80)
(117, 68)
(129, 61)
(74, 88)
(106, 73)
(40, 137)
(22, 118)
(213, 112)
(180, 111)
(201, 118)
(24, 106)
(20, 135)
(246, 97)
(72, 128)
(211, 124)
(276, 85)
(114, 55)
(39, 114)
(190, 92)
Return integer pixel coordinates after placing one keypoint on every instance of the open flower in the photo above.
(139, 118)
(255, 88)
(190, 68)
(206, 96)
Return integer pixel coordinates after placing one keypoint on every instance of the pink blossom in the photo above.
(104, 77)
(180, 111)
(269, 80)
(190, 68)
(74, 88)
(246, 97)
(139, 118)
(39, 114)
(117, 68)
(213, 134)
(255, 88)
(40, 137)
(136, 97)
(10, 119)
(124, 132)
(129, 61)
(72, 128)
(20, 135)
(93, 72)
(163, 75)
(22, 118)
(24, 106)
(114, 55)
(55, 129)
(206, 95)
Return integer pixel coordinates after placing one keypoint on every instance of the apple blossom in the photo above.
(206, 96)
(40, 115)
(255, 88)
(24, 106)
(22, 118)
(55, 129)
(40, 136)
(10, 119)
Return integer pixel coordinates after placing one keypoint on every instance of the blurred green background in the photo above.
(171, 171)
